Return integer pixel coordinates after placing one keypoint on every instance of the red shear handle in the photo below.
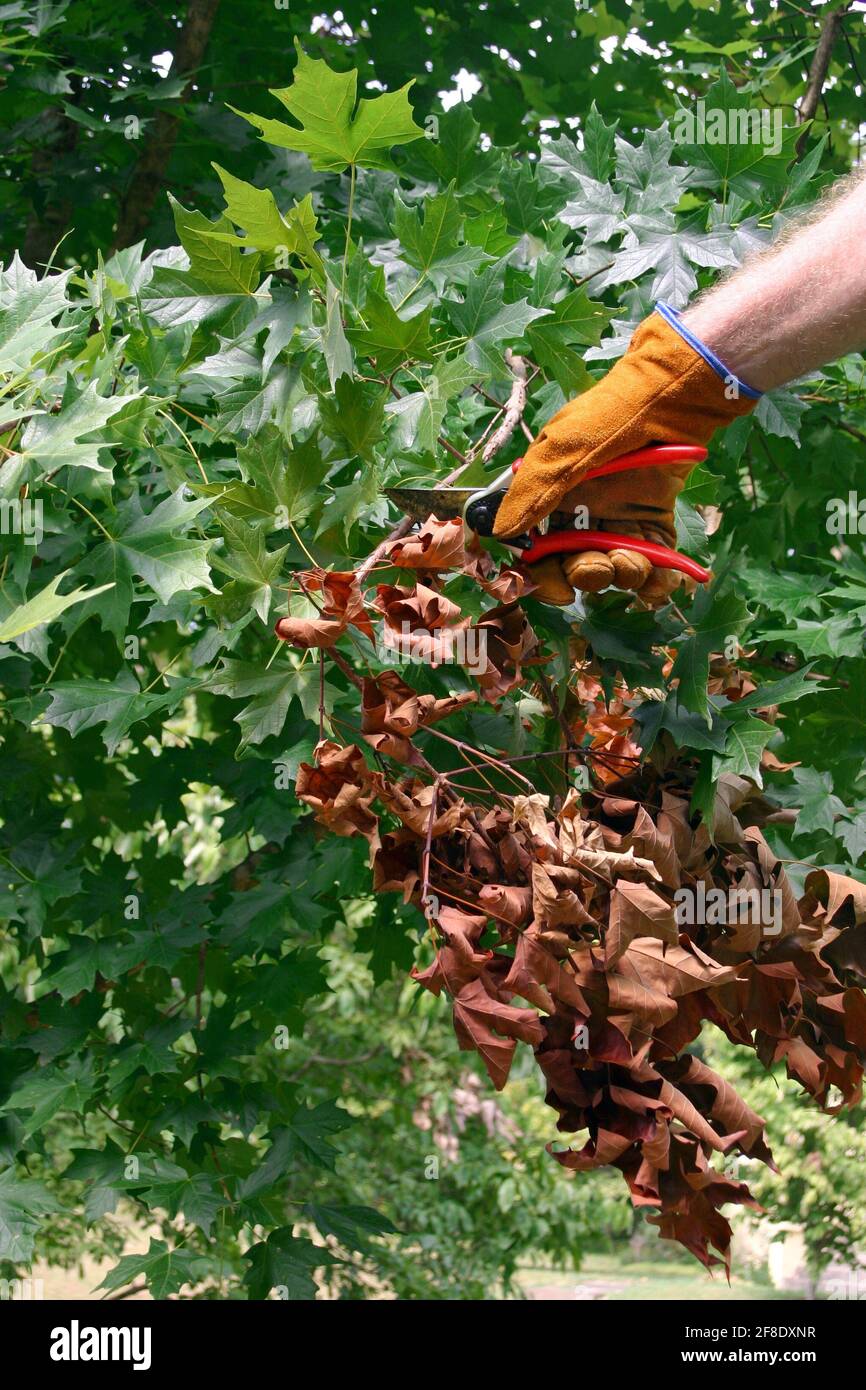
(562, 542)
(655, 456)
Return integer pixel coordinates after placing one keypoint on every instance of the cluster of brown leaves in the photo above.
(556, 922)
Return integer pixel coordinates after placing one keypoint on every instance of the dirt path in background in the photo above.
(74, 1283)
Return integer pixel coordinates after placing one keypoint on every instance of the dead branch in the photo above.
(514, 408)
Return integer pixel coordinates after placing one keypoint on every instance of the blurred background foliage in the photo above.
(107, 103)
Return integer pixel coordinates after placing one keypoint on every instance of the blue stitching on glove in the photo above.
(672, 316)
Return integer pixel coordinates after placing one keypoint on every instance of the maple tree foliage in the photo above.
(208, 430)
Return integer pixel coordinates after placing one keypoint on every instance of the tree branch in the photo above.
(818, 71)
(131, 1292)
(514, 408)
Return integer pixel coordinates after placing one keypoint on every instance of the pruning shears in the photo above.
(478, 508)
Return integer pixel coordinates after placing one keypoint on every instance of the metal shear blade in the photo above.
(445, 503)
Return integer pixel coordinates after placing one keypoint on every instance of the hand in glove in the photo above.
(668, 388)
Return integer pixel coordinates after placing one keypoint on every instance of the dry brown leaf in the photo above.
(635, 910)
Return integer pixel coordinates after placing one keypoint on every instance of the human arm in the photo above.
(791, 308)
(798, 305)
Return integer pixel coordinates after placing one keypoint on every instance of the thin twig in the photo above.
(579, 283)
(344, 666)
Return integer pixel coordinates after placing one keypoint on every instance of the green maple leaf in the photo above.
(173, 298)
(306, 1138)
(332, 338)
(272, 691)
(348, 503)
(285, 1262)
(488, 323)
(165, 946)
(282, 482)
(780, 692)
(455, 155)
(355, 415)
(654, 242)
(691, 529)
(388, 938)
(688, 730)
(716, 618)
(151, 546)
(575, 319)
(598, 144)
(419, 414)
(278, 321)
(853, 836)
(335, 129)
(701, 488)
(247, 559)
(647, 171)
(309, 1133)
(281, 989)
(489, 231)
(745, 743)
(198, 1196)
(213, 261)
(158, 356)
(44, 607)
(184, 1116)
(385, 335)
(532, 196)
(38, 874)
(255, 401)
(595, 159)
(118, 704)
(351, 1225)
(70, 972)
(102, 1170)
(787, 593)
(153, 1057)
(267, 229)
(28, 307)
(23, 1203)
(597, 209)
(97, 1165)
(53, 441)
(51, 1089)
(623, 636)
(429, 236)
(738, 160)
(780, 413)
(165, 1271)
(834, 637)
(818, 804)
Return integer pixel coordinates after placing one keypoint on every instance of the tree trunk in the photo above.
(148, 177)
(47, 224)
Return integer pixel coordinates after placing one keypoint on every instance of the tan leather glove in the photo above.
(639, 503)
(663, 390)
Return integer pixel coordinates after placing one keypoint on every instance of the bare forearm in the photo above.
(796, 306)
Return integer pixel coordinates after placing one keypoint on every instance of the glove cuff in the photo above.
(674, 318)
